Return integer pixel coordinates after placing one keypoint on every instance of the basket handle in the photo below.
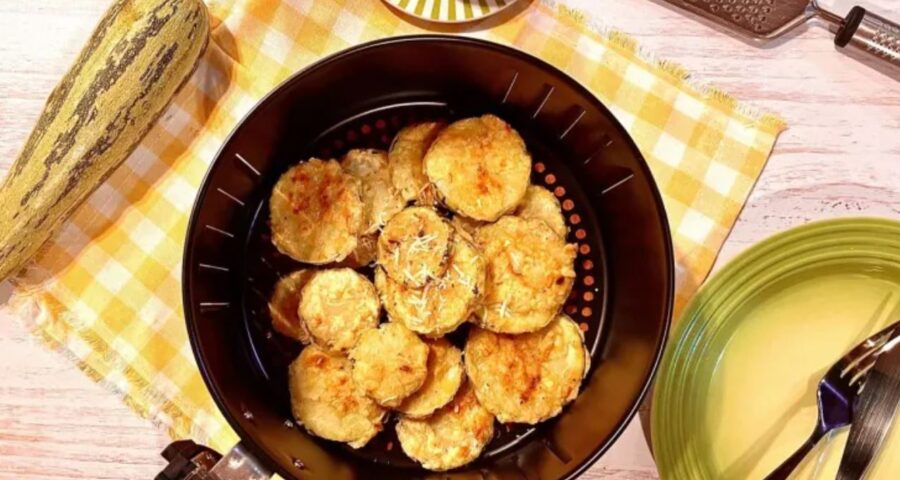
(190, 461)
(872, 34)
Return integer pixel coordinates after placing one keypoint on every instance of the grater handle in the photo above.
(873, 34)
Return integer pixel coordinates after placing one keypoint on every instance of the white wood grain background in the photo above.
(841, 156)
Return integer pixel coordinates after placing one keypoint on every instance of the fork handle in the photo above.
(870, 33)
(788, 466)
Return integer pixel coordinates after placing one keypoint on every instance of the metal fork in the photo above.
(837, 390)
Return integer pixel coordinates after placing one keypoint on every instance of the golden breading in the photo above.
(328, 403)
(454, 436)
(414, 246)
(530, 272)
(390, 363)
(480, 167)
(380, 199)
(316, 212)
(284, 303)
(365, 253)
(466, 226)
(444, 303)
(527, 378)
(445, 375)
(405, 160)
(540, 203)
(338, 305)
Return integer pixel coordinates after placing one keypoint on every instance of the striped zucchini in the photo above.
(138, 57)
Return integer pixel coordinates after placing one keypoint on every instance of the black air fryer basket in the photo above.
(360, 98)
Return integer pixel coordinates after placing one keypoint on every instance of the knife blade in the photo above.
(873, 413)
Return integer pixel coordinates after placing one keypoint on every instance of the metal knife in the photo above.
(873, 413)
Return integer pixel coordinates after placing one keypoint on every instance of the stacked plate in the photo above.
(735, 395)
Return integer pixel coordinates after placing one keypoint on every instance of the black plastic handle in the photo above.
(872, 34)
(188, 461)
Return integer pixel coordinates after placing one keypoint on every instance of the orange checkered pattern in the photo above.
(107, 289)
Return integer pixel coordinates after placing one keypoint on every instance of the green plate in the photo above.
(735, 392)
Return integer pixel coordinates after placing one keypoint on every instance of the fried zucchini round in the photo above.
(445, 376)
(389, 363)
(405, 161)
(527, 378)
(328, 403)
(454, 436)
(338, 305)
(444, 303)
(285, 301)
(316, 212)
(365, 253)
(540, 203)
(530, 272)
(414, 246)
(381, 201)
(480, 167)
(466, 226)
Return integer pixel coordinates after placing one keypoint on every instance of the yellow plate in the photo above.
(451, 11)
(735, 395)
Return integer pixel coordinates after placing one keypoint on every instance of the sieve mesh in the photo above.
(264, 265)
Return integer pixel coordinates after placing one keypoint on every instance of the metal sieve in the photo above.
(360, 98)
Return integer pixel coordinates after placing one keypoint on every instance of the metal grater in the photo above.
(768, 19)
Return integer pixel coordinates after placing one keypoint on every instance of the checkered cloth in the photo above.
(107, 289)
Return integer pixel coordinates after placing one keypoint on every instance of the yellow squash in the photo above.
(138, 57)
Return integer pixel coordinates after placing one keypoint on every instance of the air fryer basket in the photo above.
(361, 98)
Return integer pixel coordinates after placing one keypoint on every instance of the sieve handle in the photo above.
(190, 461)
(873, 34)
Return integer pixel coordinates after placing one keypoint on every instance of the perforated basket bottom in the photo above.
(376, 129)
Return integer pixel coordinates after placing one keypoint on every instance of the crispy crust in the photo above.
(445, 375)
(390, 363)
(444, 303)
(540, 203)
(454, 436)
(380, 199)
(480, 167)
(365, 253)
(530, 272)
(316, 212)
(466, 226)
(414, 246)
(405, 161)
(527, 378)
(328, 403)
(284, 303)
(338, 305)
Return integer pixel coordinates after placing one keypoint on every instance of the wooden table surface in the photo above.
(841, 156)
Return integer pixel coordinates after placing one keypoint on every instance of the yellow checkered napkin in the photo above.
(107, 291)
